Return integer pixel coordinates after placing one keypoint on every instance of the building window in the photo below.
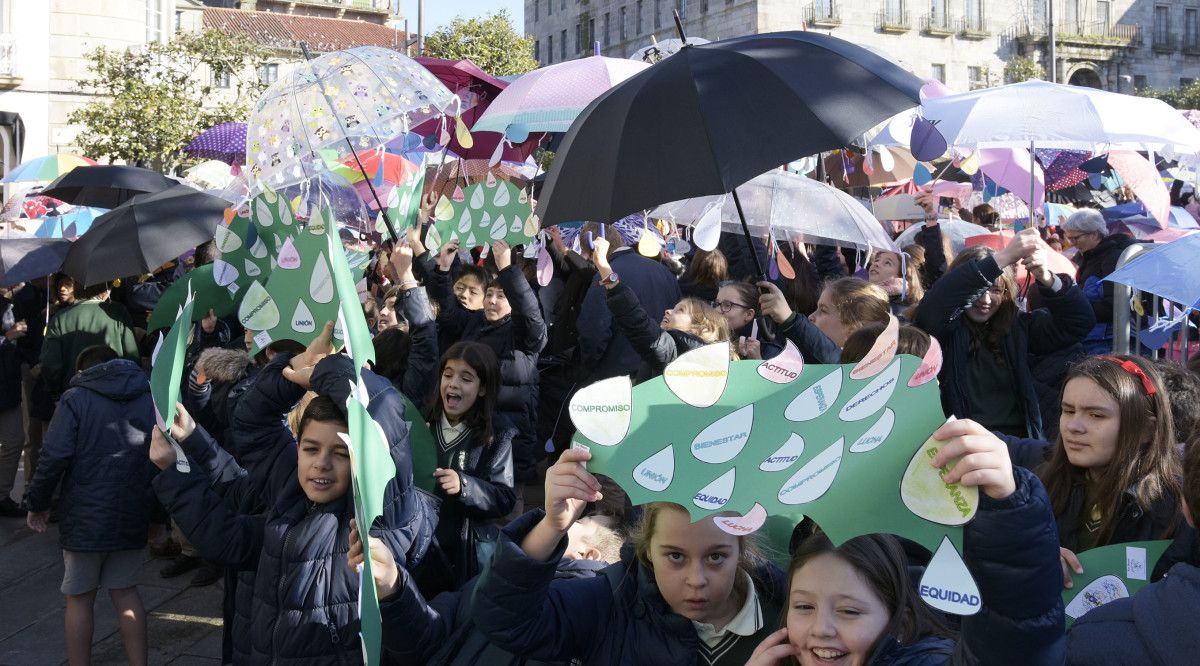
(268, 73)
(607, 39)
(562, 45)
(973, 15)
(657, 14)
(1103, 13)
(641, 26)
(549, 49)
(221, 79)
(178, 21)
(1191, 31)
(621, 24)
(154, 20)
(537, 9)
(975, 78)
(938, 71)
(537, 50)
(1162, 29)
(591, 33)
(1185, 82)
(1139, 81)
(563, 5)
(578, 37)
(549, 7)
(1071, 16)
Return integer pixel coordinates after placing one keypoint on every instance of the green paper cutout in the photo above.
(207, 295)
(371, 468)
(485, 213)
(745, 429)
(1106, 575)
(404, 203)
(166, 374)
(356, 334)
(299, 296)
(248, 245)
(424, 449)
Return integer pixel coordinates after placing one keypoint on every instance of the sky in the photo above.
(440, 12)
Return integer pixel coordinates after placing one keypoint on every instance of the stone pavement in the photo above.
(183, 625)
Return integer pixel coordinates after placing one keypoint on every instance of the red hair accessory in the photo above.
(1135, 370)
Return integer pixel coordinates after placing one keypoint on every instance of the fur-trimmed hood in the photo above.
(225, 366)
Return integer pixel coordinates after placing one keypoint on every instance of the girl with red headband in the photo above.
(1113, 474)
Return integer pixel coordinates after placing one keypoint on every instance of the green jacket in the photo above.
(78, 327)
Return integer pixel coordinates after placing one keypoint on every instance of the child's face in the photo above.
(884, 267)
(695, 566)
(323, 462)
(828, 320)
(985, 307)
(387, 314)
(834, 616)
(496, 305)
(677, 318)
(469, 291)
(1090, 424)
(460, 388)
(739, 313)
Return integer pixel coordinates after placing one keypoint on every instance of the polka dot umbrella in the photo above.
(225, 142)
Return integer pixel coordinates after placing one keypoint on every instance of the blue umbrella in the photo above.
(23, 259)
(72, 224)
(1167, 271)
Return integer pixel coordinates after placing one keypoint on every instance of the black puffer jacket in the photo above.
(1065, 322)
(420, 375)
(517, 340)
(657, 346)
(1098, 262)
(97, 446)
(302, 604)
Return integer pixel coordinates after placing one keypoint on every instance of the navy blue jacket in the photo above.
(301, 605)
(605, 351)
(814, 346)
(1066, 321)
(1155, 626)
(521, 608)
(98, 445)
(656, 346)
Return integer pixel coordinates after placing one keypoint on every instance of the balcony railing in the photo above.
(973, 28)
(823, 14)
(892, 19)
(1084, 34)
(937, 25)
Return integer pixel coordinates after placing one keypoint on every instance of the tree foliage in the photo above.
(1183, 97)
(154, 99)
(1020, 68)
(490, 42)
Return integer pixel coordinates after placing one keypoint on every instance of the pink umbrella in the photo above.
(1055, 261)
(549, 99)
(1009, 167)
(1141, 177)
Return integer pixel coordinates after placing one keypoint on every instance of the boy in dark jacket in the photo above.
(1158, 625)
(96, 445)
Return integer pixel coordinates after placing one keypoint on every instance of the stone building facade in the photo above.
(1113, 44)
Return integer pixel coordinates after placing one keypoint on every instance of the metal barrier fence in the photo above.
(1127, 322)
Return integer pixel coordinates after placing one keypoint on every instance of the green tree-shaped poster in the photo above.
(483, 213)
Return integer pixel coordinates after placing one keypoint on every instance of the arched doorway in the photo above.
(1086, 77)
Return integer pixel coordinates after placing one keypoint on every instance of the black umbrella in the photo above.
(106, 185)
(711, 117)
(23, 259)
(143, 234)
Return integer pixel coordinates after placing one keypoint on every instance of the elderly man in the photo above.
(1099, 252)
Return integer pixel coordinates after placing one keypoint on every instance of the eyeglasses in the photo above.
(725, 306)
(1074, 238)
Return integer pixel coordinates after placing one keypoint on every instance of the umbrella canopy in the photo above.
(359, 98)
(713, 116)
(1009, 168)
(225, 142)
(956, 230)
(1053, 115)
(550, 98)
(789, 206)
(210, 175)
(888, 165)
(106, 186)
(478, 90)
(1062, 167)
(71, 224)
(24, 259)
(48, 167)
(1055, 261)
(143, 234)
(1166, 270)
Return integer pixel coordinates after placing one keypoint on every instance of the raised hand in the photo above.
(982, 458)
(384, 569)
(299, 371)
(772, 303)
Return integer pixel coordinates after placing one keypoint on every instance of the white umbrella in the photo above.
(209, 175)
(956, 230)
(791, 207)
(1052, 115)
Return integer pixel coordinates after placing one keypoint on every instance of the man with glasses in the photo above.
(1098, 253)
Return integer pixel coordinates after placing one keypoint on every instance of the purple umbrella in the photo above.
(225, 142)
(1062, 168)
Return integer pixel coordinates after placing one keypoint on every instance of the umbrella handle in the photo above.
(745, 229)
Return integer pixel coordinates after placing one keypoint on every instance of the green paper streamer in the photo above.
(166, 375)
(1106, 575)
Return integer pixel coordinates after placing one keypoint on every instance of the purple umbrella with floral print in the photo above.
(225, 142)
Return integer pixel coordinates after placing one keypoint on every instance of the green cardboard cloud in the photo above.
(166, 374)
(483, 213)
(404, 203)
(778, 440)
(299, 296)
(208, 295)
(1110, 573)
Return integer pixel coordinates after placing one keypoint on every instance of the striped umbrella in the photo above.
(48, 167)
